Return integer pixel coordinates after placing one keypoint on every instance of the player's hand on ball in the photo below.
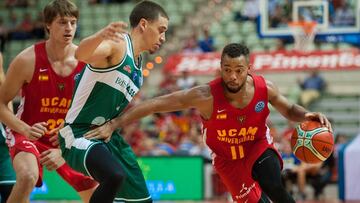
(113, 31)
(319, 117)
(103, 132)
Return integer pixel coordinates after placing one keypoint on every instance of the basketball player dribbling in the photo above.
(234, 109)
(45, 75)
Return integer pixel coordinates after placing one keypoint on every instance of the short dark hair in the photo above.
(235, 50)
(61, 8)
(148, 10)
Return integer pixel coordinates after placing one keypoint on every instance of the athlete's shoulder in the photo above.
(270, 84)
(23, 64)
(202, 91)
(27, 55)
(25, 59)
(272, 89)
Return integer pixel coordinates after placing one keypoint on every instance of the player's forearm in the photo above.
(87, 47)
(296, 113)
(12, 122)
(139, 111)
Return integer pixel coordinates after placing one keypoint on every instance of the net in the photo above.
(304, 34)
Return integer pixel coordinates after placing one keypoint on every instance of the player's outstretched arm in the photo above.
(198, 97)
(98, 47)
(292, 111)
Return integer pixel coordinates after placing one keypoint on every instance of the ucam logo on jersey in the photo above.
(259, 106)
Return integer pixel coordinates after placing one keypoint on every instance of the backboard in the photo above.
(337, 20)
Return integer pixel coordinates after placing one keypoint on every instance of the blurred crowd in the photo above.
(25, 27)
(176, 133)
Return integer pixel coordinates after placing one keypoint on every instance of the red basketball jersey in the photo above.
(237, 137)
(233, 133)
(48, 96)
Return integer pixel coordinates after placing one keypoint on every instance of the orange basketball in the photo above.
(311, 142)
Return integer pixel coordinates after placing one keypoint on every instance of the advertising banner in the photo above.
(209, 63)
(167, 178)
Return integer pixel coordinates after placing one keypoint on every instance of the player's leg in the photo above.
(267, 171)
(264, 198)
(84, 185)
(5, 190)
(105, 169)
(27, 174)
(7, 174)
(86, 194)
(134, 187)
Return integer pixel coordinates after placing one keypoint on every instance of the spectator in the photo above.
(168, 84)
(324, 176)
(38, 27)
(344, 15)
(207, 43)
(3, 35)
(295, 171)
(17, 3)
(291, 165)
(279, 17)
(25, 28)
(13, 24)
(312, 88)
(251, 10)
(288, 131)
(185, 81)
(191, 45)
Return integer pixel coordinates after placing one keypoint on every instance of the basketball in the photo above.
(311, 142)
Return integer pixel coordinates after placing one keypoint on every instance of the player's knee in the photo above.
(119, 177)
(26, 179)
(116, 179)
(271, 187)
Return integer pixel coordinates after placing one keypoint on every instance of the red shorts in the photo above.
(77, 180)
(237, 176)
(238, 180)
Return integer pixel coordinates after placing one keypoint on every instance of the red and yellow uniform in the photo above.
(47, 98)
(237, 137)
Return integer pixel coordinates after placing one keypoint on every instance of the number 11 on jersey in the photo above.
(237, 152)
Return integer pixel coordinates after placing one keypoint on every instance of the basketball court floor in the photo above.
(185, 201)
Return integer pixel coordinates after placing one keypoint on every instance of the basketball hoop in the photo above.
(304, 34)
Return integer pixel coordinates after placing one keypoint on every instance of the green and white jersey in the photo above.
(103, 93)
(7, 173)
(3, 147)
